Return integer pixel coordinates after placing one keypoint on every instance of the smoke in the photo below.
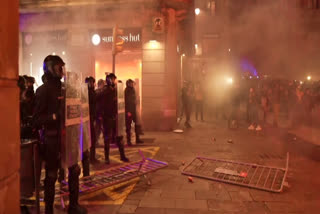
(273, 35)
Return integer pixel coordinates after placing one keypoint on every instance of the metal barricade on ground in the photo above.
(244, 174)
(113, 176)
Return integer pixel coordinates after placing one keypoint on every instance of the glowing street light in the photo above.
(63, 53)
(229, 80)
(309, 78)
(196, 46)
(96, 39)
(197, 11)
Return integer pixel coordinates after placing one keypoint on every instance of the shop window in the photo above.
(211, 7)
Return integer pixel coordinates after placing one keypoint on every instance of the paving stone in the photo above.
(157, 203)
(136, 195)
(131, 202)
(147, 210)
(198, 184)
(283, 207)
(240, 196)
(153, 193)
(258, 195)
(181, 211)
(179, 194)
(221, 195)
(191, 204)
(226, 206)
(256, 207)
(126, 208)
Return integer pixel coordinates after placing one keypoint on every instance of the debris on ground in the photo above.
(190, 179)
(230, 141)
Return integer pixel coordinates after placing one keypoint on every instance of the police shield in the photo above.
(121, 110)
(71, 134)
(85, 118)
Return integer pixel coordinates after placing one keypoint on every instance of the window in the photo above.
(211, 6)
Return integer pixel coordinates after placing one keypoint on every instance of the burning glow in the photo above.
(197, 11)
(95, 39)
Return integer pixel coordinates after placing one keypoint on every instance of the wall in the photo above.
(9, 108)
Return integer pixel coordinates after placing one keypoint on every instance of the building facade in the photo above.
(276, 37)
(152, 34)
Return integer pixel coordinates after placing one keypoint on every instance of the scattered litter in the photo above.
(183, 163)
(190, 179)
(178, 131)
(286, 184)
(230, 141)
(213, 139)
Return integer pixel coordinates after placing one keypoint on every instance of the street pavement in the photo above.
(172, 193)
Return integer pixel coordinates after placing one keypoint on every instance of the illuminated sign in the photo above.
(131, 36)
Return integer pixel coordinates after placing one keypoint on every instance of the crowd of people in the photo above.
(42, 117)
(294, 100)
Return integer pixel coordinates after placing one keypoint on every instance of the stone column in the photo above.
(172, 69)
(9, 108)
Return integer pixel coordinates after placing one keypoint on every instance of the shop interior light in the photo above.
(197, 11)
(96, 39)
(153, 44)
(309, 77)
(196, 46)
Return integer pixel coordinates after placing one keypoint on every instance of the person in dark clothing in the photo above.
(92, 108)
(99, 108)
(199, 100)
(48, 116)
(107, 102)
(186, 97)
(130, 111)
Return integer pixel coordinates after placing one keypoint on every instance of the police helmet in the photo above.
(90, 78)
(109, 78)
(128, 82)
(50, 61)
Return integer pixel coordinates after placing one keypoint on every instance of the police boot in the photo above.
(129, 140)
(73, 180)
(49, 191)
(85, 163)
(121, 151)
(106, 154)
(138, 140)
(93, 159)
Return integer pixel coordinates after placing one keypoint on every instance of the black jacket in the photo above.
(107, 103)
(92, 103)
(130, 100)
(49, 101)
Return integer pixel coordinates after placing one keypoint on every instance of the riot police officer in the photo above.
(130, 110)
(108, 104)
(48, 115)
(92, 108)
